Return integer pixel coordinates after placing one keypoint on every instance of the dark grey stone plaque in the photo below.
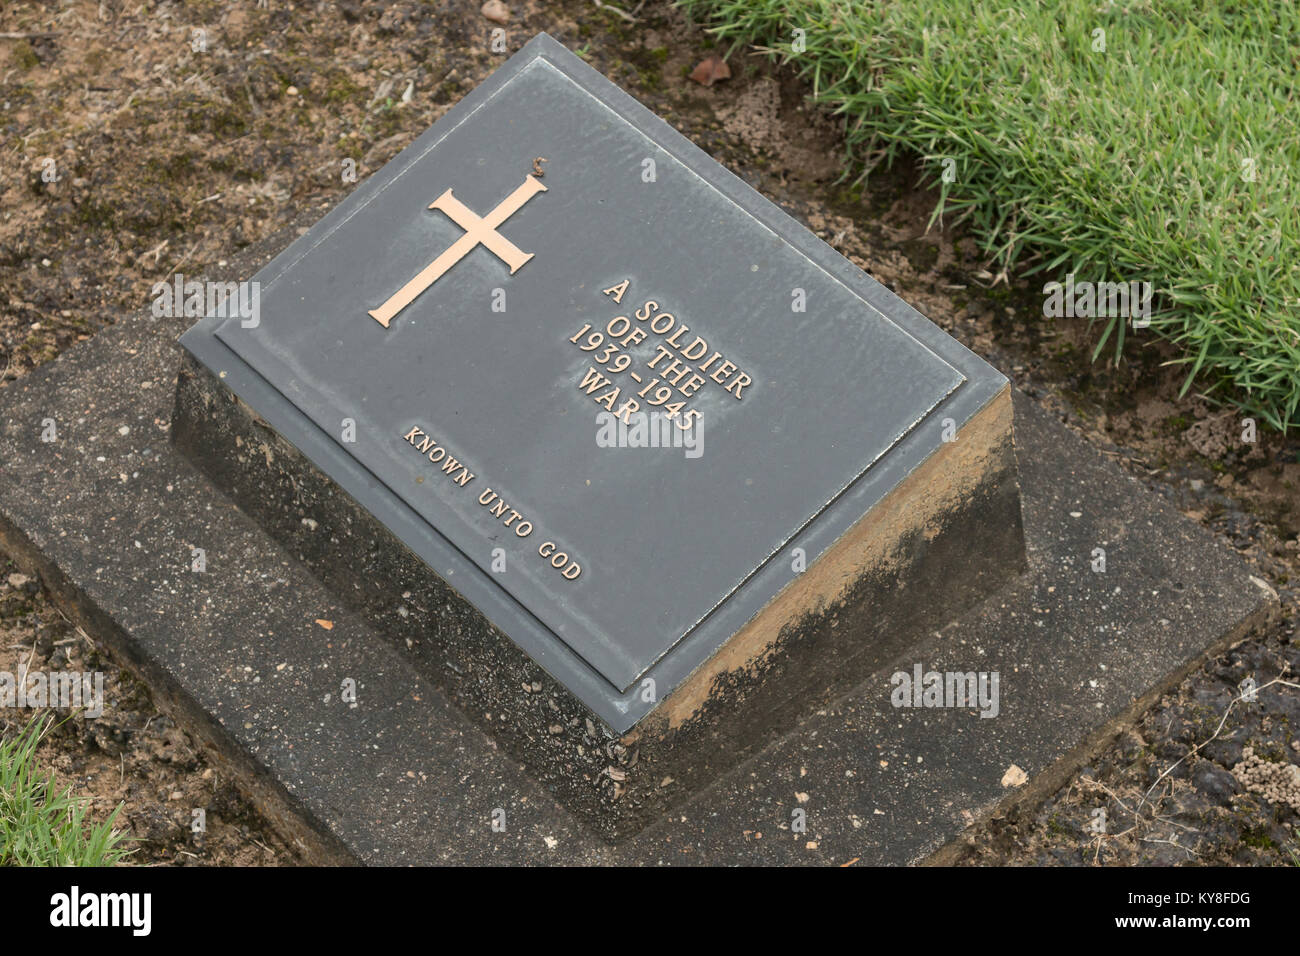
(428, 346)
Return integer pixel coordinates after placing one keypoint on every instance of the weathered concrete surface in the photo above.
(109, 519)
(853, 611)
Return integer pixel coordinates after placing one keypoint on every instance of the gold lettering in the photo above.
(592, 381)
(677, 368)
(712, 358)
(436, 453)
(656, 322)
(681, 329)
(686, 352)
(626, 409)
(609, 398)
(558, 559)
(723, 370)
(739, 382)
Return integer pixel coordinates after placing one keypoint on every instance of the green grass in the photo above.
(41, 825)
(1130, 164)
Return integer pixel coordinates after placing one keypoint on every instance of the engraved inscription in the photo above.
(676, 371)
(492, 502)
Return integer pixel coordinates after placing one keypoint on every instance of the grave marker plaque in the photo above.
(637, 468)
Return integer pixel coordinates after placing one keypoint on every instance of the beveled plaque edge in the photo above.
(620, 710)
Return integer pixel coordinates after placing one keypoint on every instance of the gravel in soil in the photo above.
(130, 755)
(139, 141)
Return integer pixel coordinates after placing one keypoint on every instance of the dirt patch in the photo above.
(130, 755)
(135, 147)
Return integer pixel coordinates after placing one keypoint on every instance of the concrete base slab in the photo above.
(108, 515)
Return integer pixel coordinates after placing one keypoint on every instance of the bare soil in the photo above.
(177, 132)
(131, 755)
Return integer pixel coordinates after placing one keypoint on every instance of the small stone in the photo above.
(1014, 777)
(496, 11)
(710, 70)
